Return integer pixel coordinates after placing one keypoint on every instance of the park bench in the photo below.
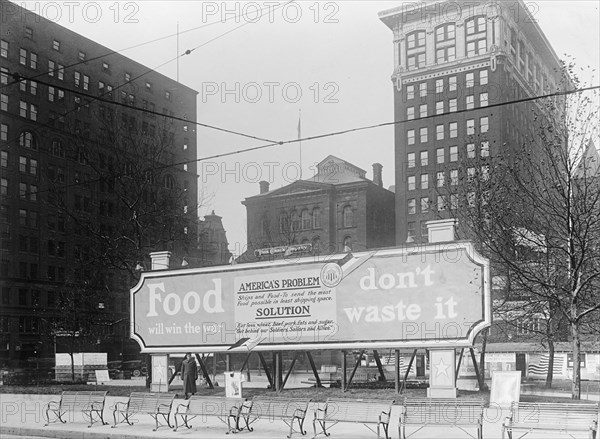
(564, 419)
(361, 411)
(447, 412)
(153, 404)
(227, 410)
(90, 403)
(269, 408)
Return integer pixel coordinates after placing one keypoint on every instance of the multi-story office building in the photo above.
(453, 62)
(97, 170)
(336, 210)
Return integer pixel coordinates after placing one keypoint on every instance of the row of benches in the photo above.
(239, 414)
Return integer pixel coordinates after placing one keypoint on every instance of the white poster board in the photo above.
(233, 384)
(102, 377)
(506, 388)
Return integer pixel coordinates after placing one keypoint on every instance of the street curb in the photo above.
(64, 434)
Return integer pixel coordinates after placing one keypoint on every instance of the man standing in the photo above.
(189, 375)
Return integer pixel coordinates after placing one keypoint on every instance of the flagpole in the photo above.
(300, 139)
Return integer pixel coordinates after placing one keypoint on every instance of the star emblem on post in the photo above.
(442, 368)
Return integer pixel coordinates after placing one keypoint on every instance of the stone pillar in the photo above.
(160, 373)
(442, 381)
(160, 260)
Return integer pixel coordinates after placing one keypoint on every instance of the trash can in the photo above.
(233, 384)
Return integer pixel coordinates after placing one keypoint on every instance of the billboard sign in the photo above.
(436, 295)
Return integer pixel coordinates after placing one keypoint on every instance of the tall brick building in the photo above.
(453, 60)
(336, 210)
(95, 173)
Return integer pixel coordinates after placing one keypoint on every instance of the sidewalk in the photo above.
(21, 415)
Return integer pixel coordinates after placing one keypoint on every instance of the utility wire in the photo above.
(337, 133)
(187, 52)
(113, 52)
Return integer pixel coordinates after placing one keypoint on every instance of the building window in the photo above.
(423, 89)
(3, 186)
(415, 50)
(440, 179)
(127, 77)
(484, 124)
(424, 181)
(453, 130)
(423, 110)
(483, 77)
(3, 102)
(424, 204)
(411, 160)
(483, 99)
(105, 67)
(412, 206)
(424, 158)
(423, 132)
(439, 132)
(452, 83)
(470, 150)
(56, 45)
(470, 80)
(441, 203)
(410, 92)
(440, 155)
(3, 49)
(3, 132)
(470, 102)
(316, 218)
(485, 172)
(424, 231)
(60, 73)
(476, 37)
(168, 95)
(4, 159)
(410, 113)
(470, 127)
(452, 105)
(454, 177)
(470, 175)
(412, 182)
(439, 85)
(86, 82)
(410, 137)
(485, 149)
(439, 107)
(454, 153)
(306, 223)
(77, 78)
(27, 140)
(347, 216)
(3, 76)
(22, 56)
(445, 42)
(411, 229)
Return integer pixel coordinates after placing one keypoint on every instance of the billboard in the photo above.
(436, 295)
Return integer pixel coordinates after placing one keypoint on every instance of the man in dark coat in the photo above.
(189, 375)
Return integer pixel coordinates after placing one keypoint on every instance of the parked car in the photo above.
(135, 367)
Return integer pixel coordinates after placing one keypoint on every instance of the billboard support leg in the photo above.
(265, 366)
(410, 363)
(462, 351)
(479, 377)
(287, 375)
(204, 372)
(228, 362)
(397, 371)
(314, 369)
(379, 365)
(360, 357)
(344, 367)
(277, 362)
(246, 362)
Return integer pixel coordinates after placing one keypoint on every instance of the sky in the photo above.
(326, 64)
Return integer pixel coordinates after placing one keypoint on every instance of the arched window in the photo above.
(27, 140)
(305, 220)
(169, 182)
(415, 50)
(347, 244)
(283, 222)
(347, 217)
(476, 36)
(445, 43)
(316, 218)
(295, 221)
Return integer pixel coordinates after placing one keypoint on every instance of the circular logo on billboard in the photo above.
(331, 274)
